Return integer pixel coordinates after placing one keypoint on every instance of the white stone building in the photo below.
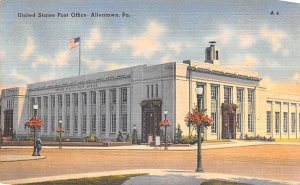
(104, 103)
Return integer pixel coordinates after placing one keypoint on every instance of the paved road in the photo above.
(280, 162)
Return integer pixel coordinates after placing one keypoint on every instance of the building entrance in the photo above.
(151, 116)
(228, 121)
(8, 123)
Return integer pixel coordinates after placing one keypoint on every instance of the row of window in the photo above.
(285, 122)
(150, 91)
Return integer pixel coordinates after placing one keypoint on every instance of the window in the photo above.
(113, 96)
(250, 96)
(68, 123)
(103, 123)
(250, 123)
(214, 124)
(113, 123)
(45, 125)
(152, 91)
(124, 95)
(227, 95)
(147, 91)
(60, 100)
(269, 130)
(239, 122)
(93, 98)
(75, 100)
(84, 123)
(84, 99)
(52, 122)
(240, 95)
(124, 123)
(293, 120)
(277, 122)
(217, 55)
(214, 92)
(94, 123)
(68, 100)
(285, 122)
(156, 90)
(75, 123)
(52, 101)
(102, 97)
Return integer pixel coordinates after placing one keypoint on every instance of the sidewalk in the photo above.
(160, 177)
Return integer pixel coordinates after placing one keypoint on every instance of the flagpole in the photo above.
(79, 56)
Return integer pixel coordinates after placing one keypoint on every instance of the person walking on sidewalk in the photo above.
(38, 146)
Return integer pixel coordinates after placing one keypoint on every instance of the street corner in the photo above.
(13, 158)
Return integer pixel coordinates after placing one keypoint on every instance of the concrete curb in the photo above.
(12, 158)
(158, 176)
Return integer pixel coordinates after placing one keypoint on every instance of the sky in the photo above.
(249, 37)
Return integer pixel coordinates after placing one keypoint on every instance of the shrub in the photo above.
(128, 138)
(178, 137)
(90, 138)
(189, 140)
(120, 137)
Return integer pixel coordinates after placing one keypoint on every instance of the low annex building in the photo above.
(104, 103)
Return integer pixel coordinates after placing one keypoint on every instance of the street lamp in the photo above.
(60, 131)
(134, 135)
(199, 92)
(35, 109)
(166, 113)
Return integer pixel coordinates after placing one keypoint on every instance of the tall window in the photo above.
(250, 96)
(240, 95)
(285, 122)
(156, 90)
(269, 121)
(75, 123)
(68, 100)
(83, 123)
(103, 123)
(75, 100)
(60, 100)
(45, 114)
(113, 96)
(239, 122)
(214, 108)
(227, 95)
(102, 97)
(277, 122)
(84, 99)
(152, 91)
(148, 91)
(93, 98)
(94, 123)
(113, 123)
(250, 123)
(124, 95)
(124, 123)
(293, 120)
(68, 123)
(240, 102)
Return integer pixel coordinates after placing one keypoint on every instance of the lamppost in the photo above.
(134, 135)
(199, 91)
(35, 108)
(60, 130)
(166, 142)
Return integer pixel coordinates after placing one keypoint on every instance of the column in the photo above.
(63, 114)
(88, 113)
(273, 118)
(98, 132)
(108, 117)
(245, 122)
(49, 116)
(71, 114)
(129, 111)
(79, 113)
(117, 110)
(281, 120)
(234, 95)
(221, 100)
(289, 119)
(56, 113)
(42, 114)
(207, 105)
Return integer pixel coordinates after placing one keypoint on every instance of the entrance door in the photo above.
(151, 116)
(8, 123)
(228, 121)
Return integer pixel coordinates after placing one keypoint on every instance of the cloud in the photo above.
(246, 62)
(296, 77)
(2, 54)
(6, 87)
(148, 43)
(283, 87)
(175, 46)
(93, 64)
(113, 66)
(274, 37)
(115, 46)
(48, 77)
(58, 60)
(223, 36)
(246, 40)
(18, 76)
(29, 48)
(165, 59)
(94, 38)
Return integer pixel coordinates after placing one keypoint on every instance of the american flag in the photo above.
(74, 42)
